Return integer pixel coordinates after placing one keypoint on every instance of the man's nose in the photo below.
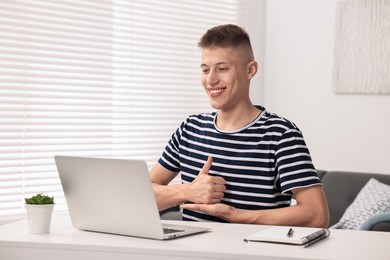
(212, 78)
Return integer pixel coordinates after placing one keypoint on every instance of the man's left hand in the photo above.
(218, 210)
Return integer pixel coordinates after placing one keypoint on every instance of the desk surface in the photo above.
(225, 241)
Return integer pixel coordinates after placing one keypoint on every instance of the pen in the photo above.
(290, 232)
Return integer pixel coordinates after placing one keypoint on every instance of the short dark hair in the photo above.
(228, 35)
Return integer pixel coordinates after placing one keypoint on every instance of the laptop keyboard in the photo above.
(171, 230)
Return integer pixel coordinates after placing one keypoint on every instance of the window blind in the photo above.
(95, 78)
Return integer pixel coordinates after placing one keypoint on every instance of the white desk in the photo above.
(225, 241)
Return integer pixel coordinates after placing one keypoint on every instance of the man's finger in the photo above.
(190, 206)
(197, 207)
(207, 165)
(219, 180)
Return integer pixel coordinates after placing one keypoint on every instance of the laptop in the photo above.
(114, 196)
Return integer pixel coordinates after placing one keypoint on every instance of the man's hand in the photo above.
(218, 210)
(206, 189)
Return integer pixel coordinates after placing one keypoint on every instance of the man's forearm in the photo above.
(311, 210)
(291, 216)
(168, 196)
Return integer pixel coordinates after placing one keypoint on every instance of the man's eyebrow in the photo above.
(218, 63)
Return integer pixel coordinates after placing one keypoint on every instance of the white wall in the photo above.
(343, 131)
(254, 23)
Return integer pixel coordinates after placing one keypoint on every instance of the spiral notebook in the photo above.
(304, 236)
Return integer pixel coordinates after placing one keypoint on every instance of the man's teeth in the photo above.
(215, 91)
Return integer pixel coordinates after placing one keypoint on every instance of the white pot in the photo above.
(39, 218)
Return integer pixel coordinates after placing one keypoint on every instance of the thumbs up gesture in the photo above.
(206, 189)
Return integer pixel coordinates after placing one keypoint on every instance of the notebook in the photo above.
(289, 235)
(114, 196)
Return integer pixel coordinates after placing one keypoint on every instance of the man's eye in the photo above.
(223, 69)
(204, 71)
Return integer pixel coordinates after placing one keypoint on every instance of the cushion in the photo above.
(373, 198)
(374, 220)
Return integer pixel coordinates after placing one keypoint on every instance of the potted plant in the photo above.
(39, 211)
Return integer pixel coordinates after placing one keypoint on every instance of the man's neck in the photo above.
(234, 119)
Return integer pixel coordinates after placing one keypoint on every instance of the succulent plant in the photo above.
(39, 199)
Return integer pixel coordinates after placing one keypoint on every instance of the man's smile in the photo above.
(216, 91)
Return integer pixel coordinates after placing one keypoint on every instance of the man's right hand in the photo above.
(206, 189)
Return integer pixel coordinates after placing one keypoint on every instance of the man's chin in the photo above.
(215, 105)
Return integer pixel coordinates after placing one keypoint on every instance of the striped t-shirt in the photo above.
(261, 163)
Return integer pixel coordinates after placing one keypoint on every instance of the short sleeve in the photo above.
(170, 158)
(293, 162)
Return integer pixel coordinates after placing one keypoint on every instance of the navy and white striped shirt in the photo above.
(261, 163)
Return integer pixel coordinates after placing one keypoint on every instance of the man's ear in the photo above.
(251, 69)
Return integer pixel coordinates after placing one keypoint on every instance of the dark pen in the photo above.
(290, 232)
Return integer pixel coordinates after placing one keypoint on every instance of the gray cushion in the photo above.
(381, 226)
(377, 222)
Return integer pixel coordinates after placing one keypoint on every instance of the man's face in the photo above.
(225, 77)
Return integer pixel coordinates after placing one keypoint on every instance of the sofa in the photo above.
(341, 189)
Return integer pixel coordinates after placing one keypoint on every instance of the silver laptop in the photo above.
(114, 196)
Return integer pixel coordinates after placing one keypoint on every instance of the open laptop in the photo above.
(114, 196)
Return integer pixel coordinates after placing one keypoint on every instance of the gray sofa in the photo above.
(341, 188)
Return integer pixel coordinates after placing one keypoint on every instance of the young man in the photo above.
(241, 163)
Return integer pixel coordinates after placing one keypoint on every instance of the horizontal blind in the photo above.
(95, 78)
